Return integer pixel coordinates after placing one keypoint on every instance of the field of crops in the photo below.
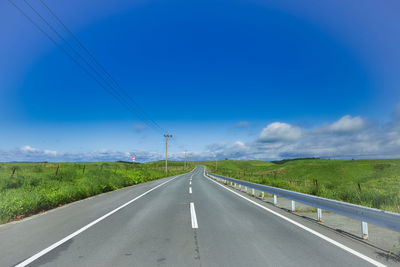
(29, 188)
(372, 183)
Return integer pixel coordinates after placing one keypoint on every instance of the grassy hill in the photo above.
(28, 188)
(373, 183)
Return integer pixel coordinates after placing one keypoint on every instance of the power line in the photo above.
(94, 69)
(114, 92)
(95, 60)
(59, 46)
(143, 117)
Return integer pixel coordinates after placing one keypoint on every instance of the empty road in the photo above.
(187, 220)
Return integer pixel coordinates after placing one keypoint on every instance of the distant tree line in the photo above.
(287, 160)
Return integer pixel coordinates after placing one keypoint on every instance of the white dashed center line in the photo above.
(193, 216)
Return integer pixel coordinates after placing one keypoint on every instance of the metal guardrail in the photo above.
(366, 215)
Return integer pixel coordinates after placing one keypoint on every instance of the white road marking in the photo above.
(190, 190)
(190, 182)
(65, 239)
(350, 250)
(193, 216)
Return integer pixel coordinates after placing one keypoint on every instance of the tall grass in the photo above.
(28, 188)
(372, 183)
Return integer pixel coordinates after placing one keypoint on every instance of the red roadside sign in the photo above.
(133, 158)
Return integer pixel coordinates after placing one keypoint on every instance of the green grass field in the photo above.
(29, 188)
(372, 183)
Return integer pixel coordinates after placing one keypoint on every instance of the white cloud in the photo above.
(279, 132)
(348, 137)
(348, 124)
(50, 152)
(29, 149)
(242, 124)
(239, 144)
(139, 127)
(29, 154)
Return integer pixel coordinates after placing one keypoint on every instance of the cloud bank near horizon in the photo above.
(348, 137)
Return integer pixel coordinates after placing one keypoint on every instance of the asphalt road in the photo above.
(162, 228)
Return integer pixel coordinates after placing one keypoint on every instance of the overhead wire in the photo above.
(110, 84)
(137, 110)
(97, 62)
(105, 84)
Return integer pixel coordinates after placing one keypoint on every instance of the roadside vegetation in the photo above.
(372, 183)
(29, 188)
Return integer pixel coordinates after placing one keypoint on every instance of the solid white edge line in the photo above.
(193, 216)
(190, 190)
(65, 239)
(350, 250)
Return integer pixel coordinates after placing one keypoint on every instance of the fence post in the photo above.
(364, 230)
(319, 215)
(275, 200)
(293, 205)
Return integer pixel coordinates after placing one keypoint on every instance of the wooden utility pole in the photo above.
(166, 151)
(185, 162)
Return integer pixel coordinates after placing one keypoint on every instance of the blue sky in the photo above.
(239, 79)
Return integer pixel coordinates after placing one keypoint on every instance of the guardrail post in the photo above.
(293, 205)
(252, 192)
(240, 187)
(319, 215)
(364, 230)
(360, 213)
